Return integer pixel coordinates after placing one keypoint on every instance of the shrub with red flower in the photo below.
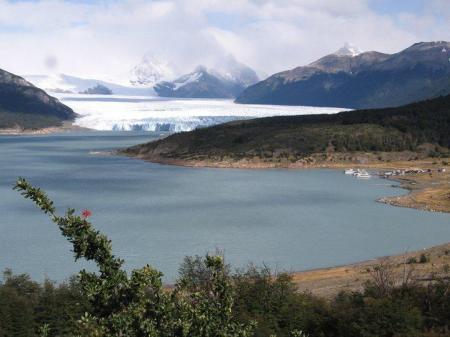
(137, 304)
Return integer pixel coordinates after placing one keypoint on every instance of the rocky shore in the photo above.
(65, 127)
(427, 191)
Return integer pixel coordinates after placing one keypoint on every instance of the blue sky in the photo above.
(99, 38)
(380, 6)
(393, 7)
(390, 8)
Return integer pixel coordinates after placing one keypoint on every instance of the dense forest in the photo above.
(209, 300)
(411, 127)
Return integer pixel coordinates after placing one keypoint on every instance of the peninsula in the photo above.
(413, 135)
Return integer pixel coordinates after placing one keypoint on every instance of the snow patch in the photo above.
(62, 83)
(150, 71)
(348, 50)
(186, 79)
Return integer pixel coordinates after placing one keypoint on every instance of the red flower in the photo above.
(86, 213)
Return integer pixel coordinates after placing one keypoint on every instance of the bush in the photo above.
(411, 260)
(275, 304)
(356, 315)
(423, 258)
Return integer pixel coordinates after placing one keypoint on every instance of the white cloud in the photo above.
(105, 39)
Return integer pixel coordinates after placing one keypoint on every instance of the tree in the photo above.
(136, 305)
(274, 302)
(16, 315)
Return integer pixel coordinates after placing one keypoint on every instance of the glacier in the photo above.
(59, 83)
(141, 113)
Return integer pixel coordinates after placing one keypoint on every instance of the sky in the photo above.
(105, 39)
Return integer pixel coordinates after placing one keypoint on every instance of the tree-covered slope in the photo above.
(393, 129)
(26, 106)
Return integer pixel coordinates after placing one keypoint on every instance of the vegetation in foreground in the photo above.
(422, 128)
(208, 300)
(136, 304)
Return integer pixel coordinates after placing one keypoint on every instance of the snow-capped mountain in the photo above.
(62, 83)
(348, 50)
(366, 80)
(232, 70)
(151, 70)
(227, 80)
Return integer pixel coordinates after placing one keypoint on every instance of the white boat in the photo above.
(363, 174)
(357, 171)
(350, 171)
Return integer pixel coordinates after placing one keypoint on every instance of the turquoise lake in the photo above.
(288, 219)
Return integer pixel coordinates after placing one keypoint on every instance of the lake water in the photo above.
(156, 214)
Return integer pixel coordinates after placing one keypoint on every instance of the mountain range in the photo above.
(226, 80)
(154, 76)
(25, 106)
(354, 79)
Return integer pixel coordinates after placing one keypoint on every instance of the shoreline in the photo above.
(425, 191)
(421, 266)
(65, 127)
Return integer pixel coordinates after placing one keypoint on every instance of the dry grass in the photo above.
(429, 192)
(329, 281)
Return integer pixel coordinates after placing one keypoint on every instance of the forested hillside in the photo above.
(422, 125)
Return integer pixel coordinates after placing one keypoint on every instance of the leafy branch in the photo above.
(138, 305)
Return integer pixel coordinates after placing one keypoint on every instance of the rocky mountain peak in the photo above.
(151, 70)
(424, 46)
(348, 50)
